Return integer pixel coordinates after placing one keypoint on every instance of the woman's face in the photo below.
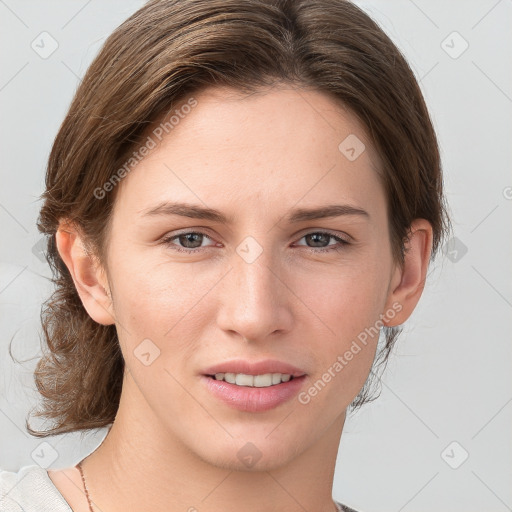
(260, 280)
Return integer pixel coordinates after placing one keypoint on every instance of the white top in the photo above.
(31, 490)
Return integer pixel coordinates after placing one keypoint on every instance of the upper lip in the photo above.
(254, 368)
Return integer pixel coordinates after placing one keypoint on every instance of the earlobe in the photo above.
(408, 282)
(87, 274)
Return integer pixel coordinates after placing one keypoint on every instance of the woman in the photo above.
(243, 195)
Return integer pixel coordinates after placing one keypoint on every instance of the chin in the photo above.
(259, 452)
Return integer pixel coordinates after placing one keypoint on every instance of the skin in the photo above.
(173, 445)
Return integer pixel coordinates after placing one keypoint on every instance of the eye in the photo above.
(191, 241)
(321, 237)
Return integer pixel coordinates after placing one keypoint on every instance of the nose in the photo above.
(255, 298)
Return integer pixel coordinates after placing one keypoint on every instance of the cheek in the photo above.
(346, 301)
(347, 312)
(162, 302)
(153, 293)
(154, 309)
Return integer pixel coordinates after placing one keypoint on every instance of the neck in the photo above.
(141, 466)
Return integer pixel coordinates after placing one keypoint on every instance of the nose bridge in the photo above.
(254, 300)
(256, 283)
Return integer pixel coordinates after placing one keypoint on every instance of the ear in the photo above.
(408, 282)
(89, 277)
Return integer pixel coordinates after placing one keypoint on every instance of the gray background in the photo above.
(446, 393)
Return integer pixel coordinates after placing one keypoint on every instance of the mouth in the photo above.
(264, 380)
(263, 373)
(253, 386)
(253, 393)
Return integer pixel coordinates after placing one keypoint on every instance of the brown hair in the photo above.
(165, 52)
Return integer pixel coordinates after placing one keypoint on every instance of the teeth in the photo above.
(257, 381)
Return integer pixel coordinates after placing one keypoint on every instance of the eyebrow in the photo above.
(298, 215)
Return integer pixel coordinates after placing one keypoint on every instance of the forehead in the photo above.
(267, 150)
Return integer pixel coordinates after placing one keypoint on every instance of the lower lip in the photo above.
(252, 399)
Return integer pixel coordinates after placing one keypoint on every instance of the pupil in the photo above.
(188, 238)
(317, 236)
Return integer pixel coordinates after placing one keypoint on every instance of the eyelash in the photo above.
(167, 241)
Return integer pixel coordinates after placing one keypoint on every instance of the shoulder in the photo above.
(29, 490)
(344, 508)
